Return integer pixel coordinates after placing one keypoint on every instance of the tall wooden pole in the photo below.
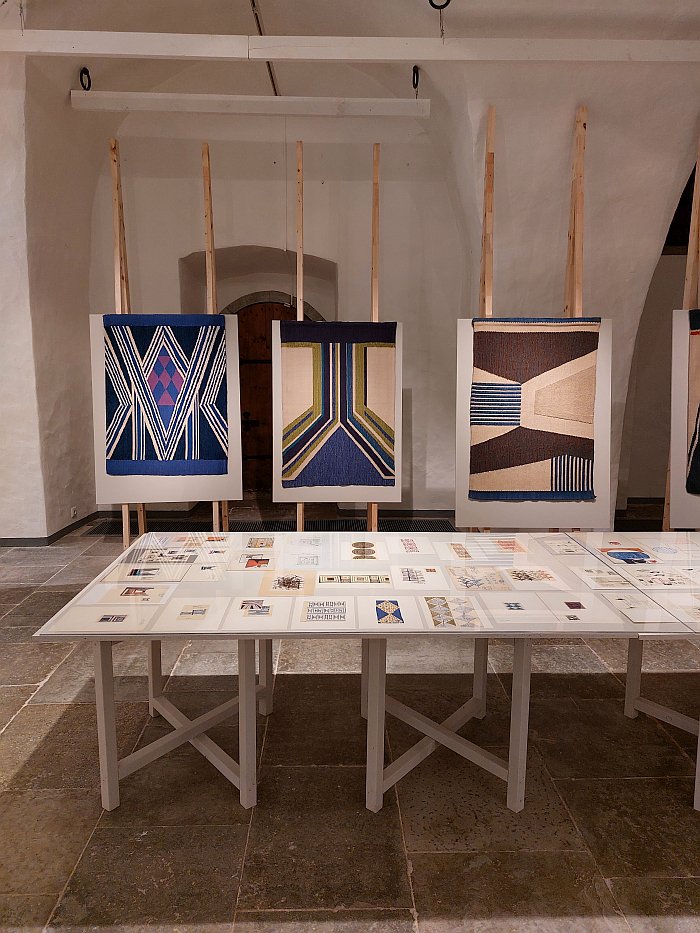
(219, 509)
(300, 268)
(122, 300)
(691, 298)
(486, 283)
(373, 507)
(573, 292)
(486, 278)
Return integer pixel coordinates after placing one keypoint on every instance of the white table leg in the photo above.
(363, 677)
(106, 725)
(155, 674)
(376, 699)
(481, 661)
(265, 675)
(633, 680)
(519, 718)
(247, 744)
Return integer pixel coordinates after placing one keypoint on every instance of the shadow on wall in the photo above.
(244, 270)
(645, 440)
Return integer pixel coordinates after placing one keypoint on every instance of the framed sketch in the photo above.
(336, 411)
(533, 423)
(166, 409)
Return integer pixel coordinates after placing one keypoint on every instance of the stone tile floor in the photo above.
(608, 840)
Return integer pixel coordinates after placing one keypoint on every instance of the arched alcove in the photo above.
(646, 431)
(242, 271)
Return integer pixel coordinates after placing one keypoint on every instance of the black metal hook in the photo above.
(439, 6)
(415, 80)
(85, 79)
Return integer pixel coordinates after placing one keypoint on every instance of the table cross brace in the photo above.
(376, 704)
(240, 774)
(635, 703)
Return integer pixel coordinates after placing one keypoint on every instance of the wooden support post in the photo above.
(219, 509)
(573, 289)
(300, 268)
(373, 507)
(141, 516)
(691, 296)
(486, 278)
(210, 257)
(573, 293)
(486, 286)
(122, 297)
(126, 525)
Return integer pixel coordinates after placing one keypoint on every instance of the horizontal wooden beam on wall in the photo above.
(386, 49)
(132, 101)
(340, 48)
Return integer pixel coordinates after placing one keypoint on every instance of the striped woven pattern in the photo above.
(532, 409)
(338, 399)
(165, 394)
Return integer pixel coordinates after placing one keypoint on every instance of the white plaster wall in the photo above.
(422, 258)
(641, 142)
(21, 485)
(64, 154)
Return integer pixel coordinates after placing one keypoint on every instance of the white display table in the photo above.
(256, 587)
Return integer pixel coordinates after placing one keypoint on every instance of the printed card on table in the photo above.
(342, 579)
(661, 578)
(639, 608)
(251, 560)
(627, 555)
(162, 555)
(410, 545)
(302, 560)
(533, 578)
(418, 578)
(192, 614)
(478, 578)
(146, 573)
(215, 554)
(562, 546)
(576, 607)
(324, 615)
(599, 577)
(453, 550)
(86, 620)
(128, 593)
(683, 606)
(260, 543)
(288, 583)
(385, 616)
(262, 614)
(302, 543)
(364, 550)
(451, 613)
(516, 608)
(205, 572)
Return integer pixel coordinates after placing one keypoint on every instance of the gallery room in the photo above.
(350, 466)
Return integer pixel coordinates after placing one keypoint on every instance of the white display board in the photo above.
(331, 493)
(684, 507)
(597, 514)
(147, 489)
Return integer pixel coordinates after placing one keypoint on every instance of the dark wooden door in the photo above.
(255, 345)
